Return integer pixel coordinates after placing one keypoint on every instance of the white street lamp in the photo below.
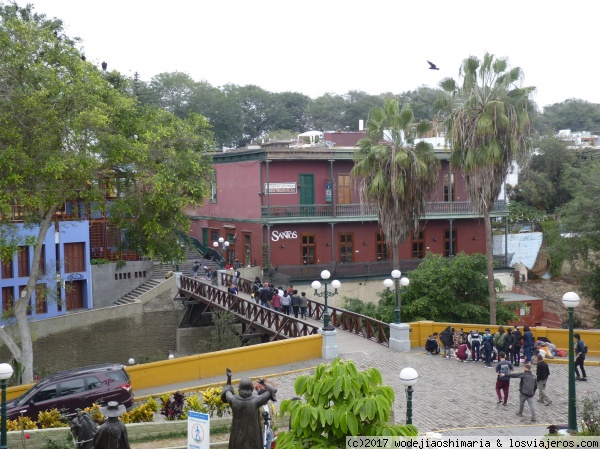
(6, 370)
(409, 378)
(571, 300)
(316, 285)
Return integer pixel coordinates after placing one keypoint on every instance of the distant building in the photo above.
(578, 139)
(292, 205)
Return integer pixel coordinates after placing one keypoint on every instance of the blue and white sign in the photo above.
(198, 430)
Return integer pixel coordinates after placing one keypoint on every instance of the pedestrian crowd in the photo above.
(286, 301)
(508, 348)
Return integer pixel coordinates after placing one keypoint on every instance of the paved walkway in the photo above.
(450, 397)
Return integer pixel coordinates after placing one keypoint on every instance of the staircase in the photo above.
(132, 296)
(191, 254)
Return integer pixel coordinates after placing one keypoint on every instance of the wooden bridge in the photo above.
(200, 297)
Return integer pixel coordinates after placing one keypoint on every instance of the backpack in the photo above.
(504, 371)
(585, 348)
(474, 335)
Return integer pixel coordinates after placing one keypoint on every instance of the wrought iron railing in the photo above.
(276, 324)
(368, 210)
(346, 270)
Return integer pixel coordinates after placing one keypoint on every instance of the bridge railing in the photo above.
(279, 325)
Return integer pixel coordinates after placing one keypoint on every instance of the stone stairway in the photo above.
(191, 254)
(133, 295)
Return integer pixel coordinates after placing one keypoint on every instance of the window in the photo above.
(72, 386)
(213, 187)
(525, 310)
(308, 249)
(43, 260)
(346, 245)
(41, 294)
(214, 236)
(449, 246)
(74, 257)
(449, 187)
(343, 188)
(23, 261)
(418, 245)
(8, 299)
(382, 247)
(7, 269)
(92, 383)
(45, 393)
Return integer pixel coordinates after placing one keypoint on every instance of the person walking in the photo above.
(295, 303)
(447, 340)
(303, 306)
(579, 357)
(503, 368)
(541, 373)
(528, 342)
(195, 269)
(527, 389)
(286, 302)
(516, 349)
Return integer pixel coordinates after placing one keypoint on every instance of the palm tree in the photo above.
(488, 125)
(395, 173)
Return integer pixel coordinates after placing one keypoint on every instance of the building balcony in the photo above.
(367, 212)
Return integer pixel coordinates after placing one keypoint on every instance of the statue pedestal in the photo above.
(329, 349)
(400, 337)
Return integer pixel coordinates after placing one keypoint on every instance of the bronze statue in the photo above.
(83, 429)
(246, 427)
(113, 433)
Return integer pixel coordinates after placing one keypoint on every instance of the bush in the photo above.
(21, 423)
(172, 406)
(143, 413)
(94, 412)
(590, 414)
(214, 404)
(51, 418)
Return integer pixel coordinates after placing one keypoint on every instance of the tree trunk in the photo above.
(489, 252)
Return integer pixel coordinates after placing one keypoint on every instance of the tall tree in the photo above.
(394, 172)
(574, 114)
(67, 134)
(488, 126)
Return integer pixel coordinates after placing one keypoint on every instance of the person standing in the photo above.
(499, 339)
(516, 349)
(527, 389)
(528, 342)
(509, 341)
(541, 373)
(447, 340)
(487, 343)
(236, 276)
(303, 306)
(503, 368)
(195, 269)
(579, 357)
(237, 264)
(276, 301)
(475, 342)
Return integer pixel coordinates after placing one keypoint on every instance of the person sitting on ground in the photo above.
(431, 345)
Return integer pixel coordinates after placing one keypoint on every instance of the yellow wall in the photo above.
(202, 366)
(421, 330)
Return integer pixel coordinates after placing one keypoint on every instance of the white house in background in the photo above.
(579, 138)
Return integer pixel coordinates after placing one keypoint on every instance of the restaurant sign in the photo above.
(280, 187)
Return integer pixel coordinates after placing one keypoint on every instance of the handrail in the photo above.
(202, 248)
(279, 325)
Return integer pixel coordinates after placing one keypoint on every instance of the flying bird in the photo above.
(432, 66)
(105, 65)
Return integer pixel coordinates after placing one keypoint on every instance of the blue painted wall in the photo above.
(68, 232)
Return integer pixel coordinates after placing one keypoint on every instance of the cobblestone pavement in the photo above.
(450, 397)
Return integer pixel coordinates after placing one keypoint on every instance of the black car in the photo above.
(74, 389)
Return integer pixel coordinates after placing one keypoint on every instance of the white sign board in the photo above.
(198, 430)
(280, 187)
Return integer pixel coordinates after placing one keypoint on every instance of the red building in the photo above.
(294, 206)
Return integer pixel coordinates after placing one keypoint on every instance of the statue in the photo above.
(113, 433)
(83, 429)
(246, 428)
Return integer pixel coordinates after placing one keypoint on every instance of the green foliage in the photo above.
(143, 413)
(339, 401)
(223, 335)
(213, 403)
(558, 247)
(590, 414)
(65, 443)
(574, 114)
(519, 212)
(21, 423)
(451, 290)
(51, 418)
(99, 261)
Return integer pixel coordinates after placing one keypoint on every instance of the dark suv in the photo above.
(72, 389)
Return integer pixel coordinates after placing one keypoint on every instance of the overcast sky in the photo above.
(314, 47)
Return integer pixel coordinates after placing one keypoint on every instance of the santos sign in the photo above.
(283, 235)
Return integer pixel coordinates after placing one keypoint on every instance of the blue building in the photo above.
(65, 264)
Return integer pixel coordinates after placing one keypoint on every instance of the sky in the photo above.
(319, 46)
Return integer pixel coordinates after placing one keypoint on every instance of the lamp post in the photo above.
(404, 282)
(571, 300)
(224, 245)
(6, 370)
(316, 285)
(408, 378)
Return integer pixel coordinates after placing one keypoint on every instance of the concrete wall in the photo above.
(111, 283)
